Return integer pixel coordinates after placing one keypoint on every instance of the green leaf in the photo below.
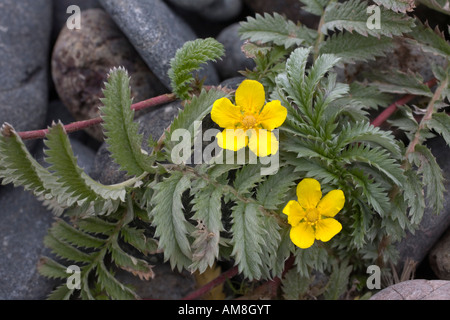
(397, 5)
(396, 81)
(74, 183)
(189, 58)
(352, 16)
(208, 213)
(63, 231)
(247, 178)
(168, 218)
(120, 130)
(440, 122)
(61, 293)
(374, 193)
(248, 239)
(276, 29)
(316, 7)
(113, 287)
(18, 166)
(65, 250)
(430, 40)
(49, 268)
(413, 193)
(294, 285)
(431, 176)
(337, 285)
(376, 158)
(272, 192)
(365, 132)
(353, 47)
(194, 110)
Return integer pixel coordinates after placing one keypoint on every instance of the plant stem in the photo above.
(79, 125)
(426, 117)
(212, 284)
(383, 116)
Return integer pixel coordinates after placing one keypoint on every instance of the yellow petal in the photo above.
(272, 115)
(302, 235)
(250, 96)
(327, 229)
(262, 142)
(309, 193)
(294, 212)
(332, 203)
(232, 139)
(225, 114)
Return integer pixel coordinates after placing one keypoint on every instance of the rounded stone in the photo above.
(416, 290)
(234, 59)
(25, 28)
(82, 59)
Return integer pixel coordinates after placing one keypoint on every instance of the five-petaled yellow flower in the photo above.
(311, 217)
(249, 122)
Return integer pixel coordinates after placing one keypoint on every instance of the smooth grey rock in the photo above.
(222, 10)
(416, 290)
(439, 257)
(234, 59)
(196, 5)
(81, 62)
(416, 246)
(24, 224)
(25, 28)
(156, 33)
(153, 123)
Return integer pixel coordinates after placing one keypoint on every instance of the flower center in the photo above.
(312, 216)
(248, 121)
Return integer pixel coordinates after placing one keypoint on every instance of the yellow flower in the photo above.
(249, 122)
(311, 217)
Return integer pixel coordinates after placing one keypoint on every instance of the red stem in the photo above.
(383, 116)
(79, 125)
(212, 284)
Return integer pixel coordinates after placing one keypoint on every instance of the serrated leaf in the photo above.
(189, 58)
(49, 268)
(294, 285)
(397, 5)
(440, 122)
(61, 293)
(123, 140)
(113, 287)
(74, 182)
(247, 178)
(208, 212)
(169, 220)
(276, 29)
(272, 192)
(396, 81)
(248, 239)
(352, 16)
(376, 158)
(352, 47)
(413, 193)
(65, 250)
(316, 7)
(374, 193)
(365, 132)
(337, 285)
(194, 110)
(431, 176)
(18, 166)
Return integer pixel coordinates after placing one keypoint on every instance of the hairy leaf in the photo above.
(120, 130)
(189, 58)
(276, 29)
(168, 218)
